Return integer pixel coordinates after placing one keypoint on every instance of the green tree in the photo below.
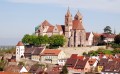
(2, 64)
(117, 39)
(56, 40)
(64, 70)
(39, 41)
(116, 51)
(45, 39)
(29, 39)
(108, 30)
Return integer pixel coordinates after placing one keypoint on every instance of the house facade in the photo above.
(52, 56)
(89, 38)
(78, 64)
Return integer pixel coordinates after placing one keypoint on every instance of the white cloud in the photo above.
(102, 5)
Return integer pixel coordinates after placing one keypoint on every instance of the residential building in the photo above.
(101, 64)
(35, 55)
(108, 37)
(89, 38)
(52, 56)
(93, 63)
(75, 64)
(20, 49)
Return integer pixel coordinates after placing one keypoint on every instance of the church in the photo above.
(72, 29)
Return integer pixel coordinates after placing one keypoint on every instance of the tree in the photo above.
(28, 39)
(108, 30)
(117, 39)
(45, 39)
(56, 41)
(38, 41)
(64, 70)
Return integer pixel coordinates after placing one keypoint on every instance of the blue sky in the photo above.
(19, 17)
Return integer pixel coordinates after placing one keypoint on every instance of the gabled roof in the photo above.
(37, 51)
(75, 56)
(112, 66)
(77, 25)
(59, 27)
(102, 62)
(20, 43)
(46, 23)
(71, 62)
(47, 52)
(33, 69)
(80, 64)
(78, 15)
(23, 70)
(50, 29)
(28, 50)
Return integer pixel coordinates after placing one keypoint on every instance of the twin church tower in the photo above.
(73, 30)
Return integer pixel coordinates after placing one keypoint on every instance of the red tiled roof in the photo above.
(87, 35)
(80, 64)
(46, 23)
(59, 27)
(108, 35)
(9, 72)
(75, 56)
(20, 43)
(50, 29)
(37, 51)
(77, 25)
(71, 62)
(51, 52)
(97, 34)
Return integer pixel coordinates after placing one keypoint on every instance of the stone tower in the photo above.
(68, 24)
(79, 34)
(78, 16)
(20, 49)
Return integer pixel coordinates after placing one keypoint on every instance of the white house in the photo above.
(20, 49)
(23, 70)
(52, 56)
(89, 38)
(93, 63)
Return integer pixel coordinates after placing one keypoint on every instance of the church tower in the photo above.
(20, 49)
(68, 24)
(78, 16)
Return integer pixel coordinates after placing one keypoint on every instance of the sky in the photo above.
(20, 17)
